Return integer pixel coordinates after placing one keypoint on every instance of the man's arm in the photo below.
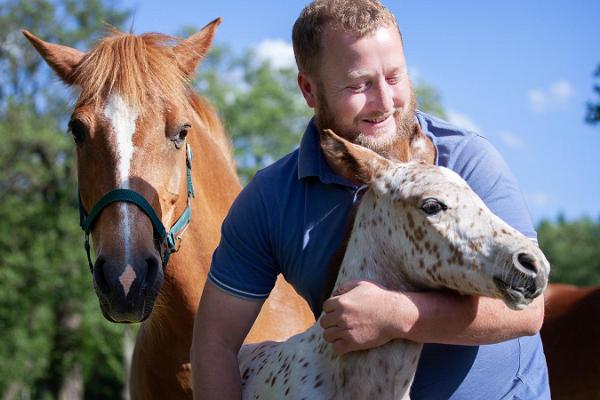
(221, 325)
(365, 315)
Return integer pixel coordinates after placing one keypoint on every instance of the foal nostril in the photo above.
(527, 264)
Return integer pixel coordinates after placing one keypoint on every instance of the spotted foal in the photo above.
(419, 227)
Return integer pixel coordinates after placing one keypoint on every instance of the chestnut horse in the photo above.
(136, 125)
(571, 338)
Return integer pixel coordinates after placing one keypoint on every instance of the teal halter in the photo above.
(169, 242)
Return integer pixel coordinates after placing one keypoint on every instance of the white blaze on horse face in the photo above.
(127, 278)
(122, 118)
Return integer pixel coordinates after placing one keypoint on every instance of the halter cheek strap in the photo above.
(169, 242)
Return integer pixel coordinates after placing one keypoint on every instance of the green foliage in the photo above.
(23, 75)
(593, 109)
(572, 249)
(261, 107)
(48, 309)
(429, 100)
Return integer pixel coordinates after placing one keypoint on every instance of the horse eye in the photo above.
(78, 130)
(433, 206)
(181, 135)
(184, 131)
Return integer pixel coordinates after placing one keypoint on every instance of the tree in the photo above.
(23, 74)
(572, 250)
(593, 109)
(262, 110)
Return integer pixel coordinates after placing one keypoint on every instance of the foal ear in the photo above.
(355, 163)
(61, 59)
(190, 51)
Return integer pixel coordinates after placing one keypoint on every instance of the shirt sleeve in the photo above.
(482, 166)
(243, 263)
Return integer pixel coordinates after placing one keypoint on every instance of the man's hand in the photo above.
(361, 315)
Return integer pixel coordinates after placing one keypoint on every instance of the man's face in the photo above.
(362, 90)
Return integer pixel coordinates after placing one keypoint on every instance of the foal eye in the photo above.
(78, 130)
(433, 206)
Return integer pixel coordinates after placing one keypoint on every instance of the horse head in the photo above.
(432, 231)
(131, 126)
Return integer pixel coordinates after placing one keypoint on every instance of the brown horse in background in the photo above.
(571, 338)
(135, 117)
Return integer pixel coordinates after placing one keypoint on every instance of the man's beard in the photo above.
(405, 121)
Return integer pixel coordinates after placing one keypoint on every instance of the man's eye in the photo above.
(433, 206)
(359, 87)
(393, 80)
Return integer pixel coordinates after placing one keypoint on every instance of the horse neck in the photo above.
(390, 368)
(216, 185)
(371, 254)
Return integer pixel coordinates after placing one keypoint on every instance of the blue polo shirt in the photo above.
(291, 219)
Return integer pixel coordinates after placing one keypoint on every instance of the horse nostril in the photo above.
(99, 276)
(152, 263)
(527, 263)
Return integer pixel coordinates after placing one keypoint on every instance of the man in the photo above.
(291, 217)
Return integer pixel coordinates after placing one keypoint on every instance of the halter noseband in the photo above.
(169, 242)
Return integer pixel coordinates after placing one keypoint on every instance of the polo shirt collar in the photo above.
(311, 161)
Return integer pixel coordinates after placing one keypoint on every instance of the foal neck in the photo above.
(371, 254)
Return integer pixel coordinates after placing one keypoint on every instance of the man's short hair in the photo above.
(359, 17)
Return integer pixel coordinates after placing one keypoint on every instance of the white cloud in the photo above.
(553, 97)
(511, 140)
(277, 51)
(462, 121)
(537, 199)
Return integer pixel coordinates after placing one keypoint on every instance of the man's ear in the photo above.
(307, 87)
(61, 59)
(355, 163)
(189, 52)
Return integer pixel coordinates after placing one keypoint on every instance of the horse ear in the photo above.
(190, 51)
(355, 163)
(61, 59)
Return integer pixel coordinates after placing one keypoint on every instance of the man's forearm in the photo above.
(215, 374)
(449, 318)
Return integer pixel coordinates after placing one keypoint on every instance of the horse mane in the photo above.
(207, 113)
(144, 71)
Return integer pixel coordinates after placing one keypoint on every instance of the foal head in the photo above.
(427, 229)
(129, 125)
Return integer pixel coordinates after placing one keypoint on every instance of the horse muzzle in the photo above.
(525, 280)
(127, 290)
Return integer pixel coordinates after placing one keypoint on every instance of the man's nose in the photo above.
(383, 98)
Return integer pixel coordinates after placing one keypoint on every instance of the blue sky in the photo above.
(520, 72)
